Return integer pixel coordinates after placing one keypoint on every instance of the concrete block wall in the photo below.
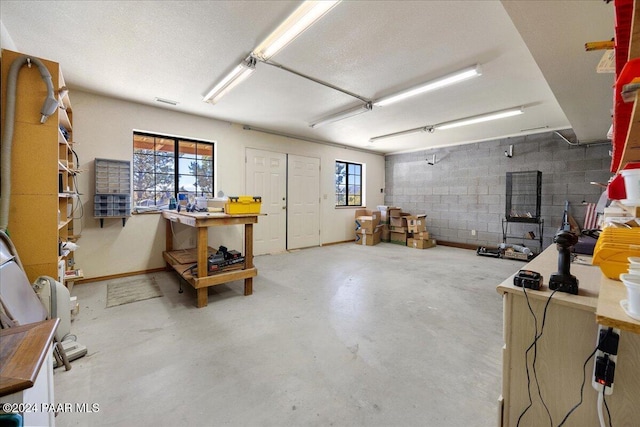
(464, 192)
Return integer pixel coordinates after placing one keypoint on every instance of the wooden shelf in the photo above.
(61, 139)
(631, 152)
(609, 312)
(63, 224)
(211, 280)
(64, 119)
(35, 234)
(633, 211)
(78, 274)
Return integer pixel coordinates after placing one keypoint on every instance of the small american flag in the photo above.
(590, 217)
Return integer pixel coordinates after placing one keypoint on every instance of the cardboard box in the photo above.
(366, 224)
(384, 213)
(421, 235)
(369, 239)
(417, 223)
(216, 204)
(386, 233)
(365, 212)
(399, 229)
(399, 238)
(394, 212)
(421, 243)
(510, 253)
(398, 221)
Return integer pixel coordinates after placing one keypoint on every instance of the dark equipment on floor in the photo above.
(490, 252)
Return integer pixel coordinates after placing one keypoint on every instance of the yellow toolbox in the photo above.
(243, 205)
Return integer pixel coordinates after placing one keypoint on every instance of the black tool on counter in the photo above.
(528, 279)
(564, 239)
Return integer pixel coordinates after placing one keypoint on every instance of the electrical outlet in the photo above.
(606, 359)
(473, 232)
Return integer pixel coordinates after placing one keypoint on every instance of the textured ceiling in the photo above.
(531, 53)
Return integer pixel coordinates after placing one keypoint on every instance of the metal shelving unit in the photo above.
(506, 236)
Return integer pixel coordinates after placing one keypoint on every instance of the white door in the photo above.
(266, 176)
(304, 202)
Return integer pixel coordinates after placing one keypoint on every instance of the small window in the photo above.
(348, 184)
(164, 166)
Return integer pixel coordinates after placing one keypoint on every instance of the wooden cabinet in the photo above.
(43, 169)
(568, 338)
(26, 371)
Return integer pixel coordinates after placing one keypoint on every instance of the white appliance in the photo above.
(23, 303)
(56, 299)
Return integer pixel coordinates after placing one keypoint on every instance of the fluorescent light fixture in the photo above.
(343, 115)
(166, 101)
(231, 80)
(443, 81)
(402, 132)
(455, 123)
(481, 118)
(301, 19)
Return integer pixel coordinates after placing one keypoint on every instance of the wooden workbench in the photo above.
(569, 337)
(26, 370)
(202, 221)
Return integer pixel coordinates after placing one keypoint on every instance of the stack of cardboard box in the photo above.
(398, 226)
(409, 230)
(368, 228)
(384, 223)
(390, 224)
(420, 239)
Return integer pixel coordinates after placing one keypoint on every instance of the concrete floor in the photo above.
(340, 335)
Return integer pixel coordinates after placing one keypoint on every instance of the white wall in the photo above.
(103, 128)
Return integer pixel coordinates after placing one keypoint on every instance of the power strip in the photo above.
(606, 359)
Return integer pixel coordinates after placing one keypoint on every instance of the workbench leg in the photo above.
(168, 241)
(248, 286)
(248, 257)
(203, 297)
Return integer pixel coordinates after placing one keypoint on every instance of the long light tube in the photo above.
(301, 19)
(443, 81)
(455, 123)
(342, 115)
(402, 132)
(231, 80)
(479, 119)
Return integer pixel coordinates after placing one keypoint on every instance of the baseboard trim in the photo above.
(118, 276)
(337, 243)
(457, 245)
(155, 270)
